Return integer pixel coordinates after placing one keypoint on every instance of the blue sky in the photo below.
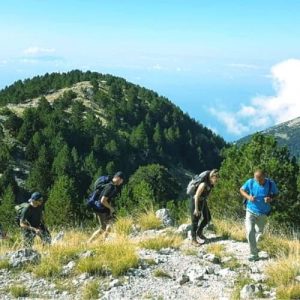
(226, 63)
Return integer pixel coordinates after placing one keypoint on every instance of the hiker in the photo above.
(258, 192)
(105, 212)
(31, 220)
(203, 185)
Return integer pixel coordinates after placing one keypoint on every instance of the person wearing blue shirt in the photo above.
(258, 192)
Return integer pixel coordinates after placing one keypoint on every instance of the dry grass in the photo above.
(291, 291)
(277, 245)
(161, 242)
(4, 264)
(283, 271)
(123, 226)
(91, 290)
(230, 229)
(148, 221)
(116, 256)
(18, 291)
(161, 274)
(217, 249)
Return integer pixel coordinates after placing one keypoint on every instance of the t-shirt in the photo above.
(33, 215)
(110, 191)
(253, 188)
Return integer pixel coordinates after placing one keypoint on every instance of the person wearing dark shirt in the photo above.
(31, 221)
(200, 208)
(105, 215)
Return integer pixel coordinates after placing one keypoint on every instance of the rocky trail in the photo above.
(206, 272)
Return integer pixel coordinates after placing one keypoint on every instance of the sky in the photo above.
(234, 66)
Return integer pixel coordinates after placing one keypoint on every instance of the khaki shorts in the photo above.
(104, 219)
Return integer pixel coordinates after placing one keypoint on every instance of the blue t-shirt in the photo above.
(253, 188)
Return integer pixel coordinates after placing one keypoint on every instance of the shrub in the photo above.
(123, 226)
(18, 291)
(91, 290)
(149, 221)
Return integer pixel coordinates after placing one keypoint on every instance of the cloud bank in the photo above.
(264, 111)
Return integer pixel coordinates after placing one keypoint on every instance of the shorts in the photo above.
(105, 219)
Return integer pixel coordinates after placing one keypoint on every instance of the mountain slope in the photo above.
(287, 134)
(63, 130)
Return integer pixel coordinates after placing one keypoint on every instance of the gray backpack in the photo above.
(194, 183)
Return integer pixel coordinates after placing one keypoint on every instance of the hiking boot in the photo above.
(195, 243)
(202, 237)
(253, 257)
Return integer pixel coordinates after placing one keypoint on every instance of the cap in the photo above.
(36, 196)
(120, 174)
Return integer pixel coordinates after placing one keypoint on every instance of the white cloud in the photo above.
(34, 51)
(233, 125)
(264, 111)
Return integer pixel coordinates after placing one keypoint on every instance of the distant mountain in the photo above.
(287, 134)
(82, 124)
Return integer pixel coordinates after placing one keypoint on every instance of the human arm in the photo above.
(197, 196)
(245, 191)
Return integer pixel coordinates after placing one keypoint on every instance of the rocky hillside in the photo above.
(103, 123)
(287, 134)
(142, 263)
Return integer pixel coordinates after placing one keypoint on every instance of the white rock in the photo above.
(211, 258)
(196, 274)
(86, 254)
(58, 237)
(257, 277)
(183, 229)
(250, 291)
(24, 256)
(165, 216)
(263, 255)
(67, 269)
(115, 283)
(297, 278)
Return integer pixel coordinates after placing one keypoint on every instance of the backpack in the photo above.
(93, 199)
(19, 208)
(245, 201)
(101, 182)
(194, 183)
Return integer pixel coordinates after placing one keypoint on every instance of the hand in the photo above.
(268, 199)
(196, 212)
(251, 198)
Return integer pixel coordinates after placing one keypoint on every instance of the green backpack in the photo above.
(19, 208)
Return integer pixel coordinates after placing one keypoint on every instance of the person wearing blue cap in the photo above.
(31, 220)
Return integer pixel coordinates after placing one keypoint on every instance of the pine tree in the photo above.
(7, 211)
(40, 177)
(60, 207)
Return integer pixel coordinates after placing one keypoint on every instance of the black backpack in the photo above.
(93, 200)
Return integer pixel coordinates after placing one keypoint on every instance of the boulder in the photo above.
(165, 216)
(67, 269)
(183, 229)
(196, 274)
(115, 283)
(212, 258)
(22, 257)
(251, 291)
